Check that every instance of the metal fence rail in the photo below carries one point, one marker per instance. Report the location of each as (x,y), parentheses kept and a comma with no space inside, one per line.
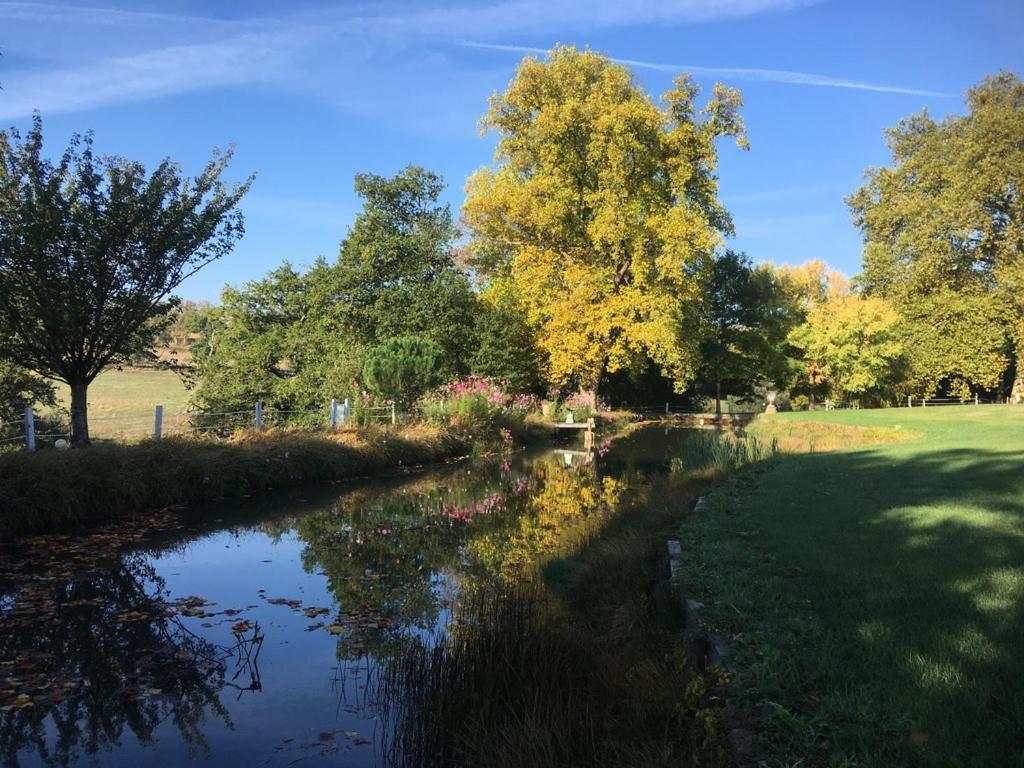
(223,423)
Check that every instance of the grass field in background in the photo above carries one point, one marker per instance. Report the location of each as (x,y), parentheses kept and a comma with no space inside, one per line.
(121,403)
(874,596)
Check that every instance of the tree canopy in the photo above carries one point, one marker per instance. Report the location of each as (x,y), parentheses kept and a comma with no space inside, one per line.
(91,249)
(599,209)
(296,339)
(743,324)
(852,342)
(944,226)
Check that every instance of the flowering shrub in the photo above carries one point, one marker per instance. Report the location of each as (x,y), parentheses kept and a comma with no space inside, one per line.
(478,407)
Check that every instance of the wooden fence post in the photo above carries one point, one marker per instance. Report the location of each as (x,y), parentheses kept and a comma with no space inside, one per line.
(259,415)
(30,429)
(158,422)
(334,414)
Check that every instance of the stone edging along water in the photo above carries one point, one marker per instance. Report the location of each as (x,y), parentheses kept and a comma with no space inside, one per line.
(707,650)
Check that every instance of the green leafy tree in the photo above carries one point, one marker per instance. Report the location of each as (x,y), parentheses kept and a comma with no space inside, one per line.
(599,208)
(741,320)
(955,342)
(91,250)
(507,347)
(402,369)
(295,340)
(947,220)
(396,274)
(273,342)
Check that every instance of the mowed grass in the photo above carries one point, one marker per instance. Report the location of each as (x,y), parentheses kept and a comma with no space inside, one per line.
(122,402)
(874,596)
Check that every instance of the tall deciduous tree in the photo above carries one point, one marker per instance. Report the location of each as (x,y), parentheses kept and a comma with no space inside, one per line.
(91,250)
(947,219)
(851,341)
(396,274)
(742,318)
(599,209)
(296,339)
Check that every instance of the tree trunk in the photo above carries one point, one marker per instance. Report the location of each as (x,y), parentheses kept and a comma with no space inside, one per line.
(1017,391)
(718,397)
(79,415)
(810,400)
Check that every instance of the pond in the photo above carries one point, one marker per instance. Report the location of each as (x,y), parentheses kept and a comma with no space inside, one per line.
(254,632)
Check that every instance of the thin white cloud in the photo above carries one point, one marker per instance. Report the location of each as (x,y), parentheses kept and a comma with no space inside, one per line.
(511,16)
(737,73)
(93,16)
(74,58)
(162,72)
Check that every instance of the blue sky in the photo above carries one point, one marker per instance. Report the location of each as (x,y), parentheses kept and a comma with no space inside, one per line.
(311,93)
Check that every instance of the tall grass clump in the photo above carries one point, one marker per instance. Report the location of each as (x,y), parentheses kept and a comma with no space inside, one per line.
(722,451)
(519,682)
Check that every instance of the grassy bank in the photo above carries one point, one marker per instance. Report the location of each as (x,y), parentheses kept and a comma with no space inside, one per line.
(55,489)
(875,595)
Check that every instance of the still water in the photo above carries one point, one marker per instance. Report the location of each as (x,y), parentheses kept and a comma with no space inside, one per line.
(253,633)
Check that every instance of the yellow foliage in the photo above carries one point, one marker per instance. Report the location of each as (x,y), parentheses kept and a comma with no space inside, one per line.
(599,210)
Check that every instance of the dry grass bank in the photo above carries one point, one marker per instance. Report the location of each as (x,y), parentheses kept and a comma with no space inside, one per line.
(50,490)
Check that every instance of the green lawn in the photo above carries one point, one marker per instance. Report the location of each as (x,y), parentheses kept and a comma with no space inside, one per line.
(121,403)
(875,596)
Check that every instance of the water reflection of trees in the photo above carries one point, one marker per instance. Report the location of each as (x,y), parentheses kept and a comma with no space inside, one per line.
(393,552)
(86,661)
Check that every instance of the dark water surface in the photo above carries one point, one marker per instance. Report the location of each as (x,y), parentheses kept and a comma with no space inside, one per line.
(253,633)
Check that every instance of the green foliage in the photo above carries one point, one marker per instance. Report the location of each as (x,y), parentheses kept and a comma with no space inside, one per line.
(953,342)
(721,452)
(506,345)
(19,388)
(945,223)
(743,325)
(295,340)
(479,408)
(402,369)
(91,250)
(395,274)
(270,341)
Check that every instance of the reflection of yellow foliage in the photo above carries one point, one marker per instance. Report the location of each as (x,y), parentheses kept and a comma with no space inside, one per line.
(561,513)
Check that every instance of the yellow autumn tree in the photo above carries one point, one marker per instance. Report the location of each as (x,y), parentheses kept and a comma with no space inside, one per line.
(853,342)
(600,209)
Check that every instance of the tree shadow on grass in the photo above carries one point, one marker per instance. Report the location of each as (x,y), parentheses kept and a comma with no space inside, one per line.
(880,601)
